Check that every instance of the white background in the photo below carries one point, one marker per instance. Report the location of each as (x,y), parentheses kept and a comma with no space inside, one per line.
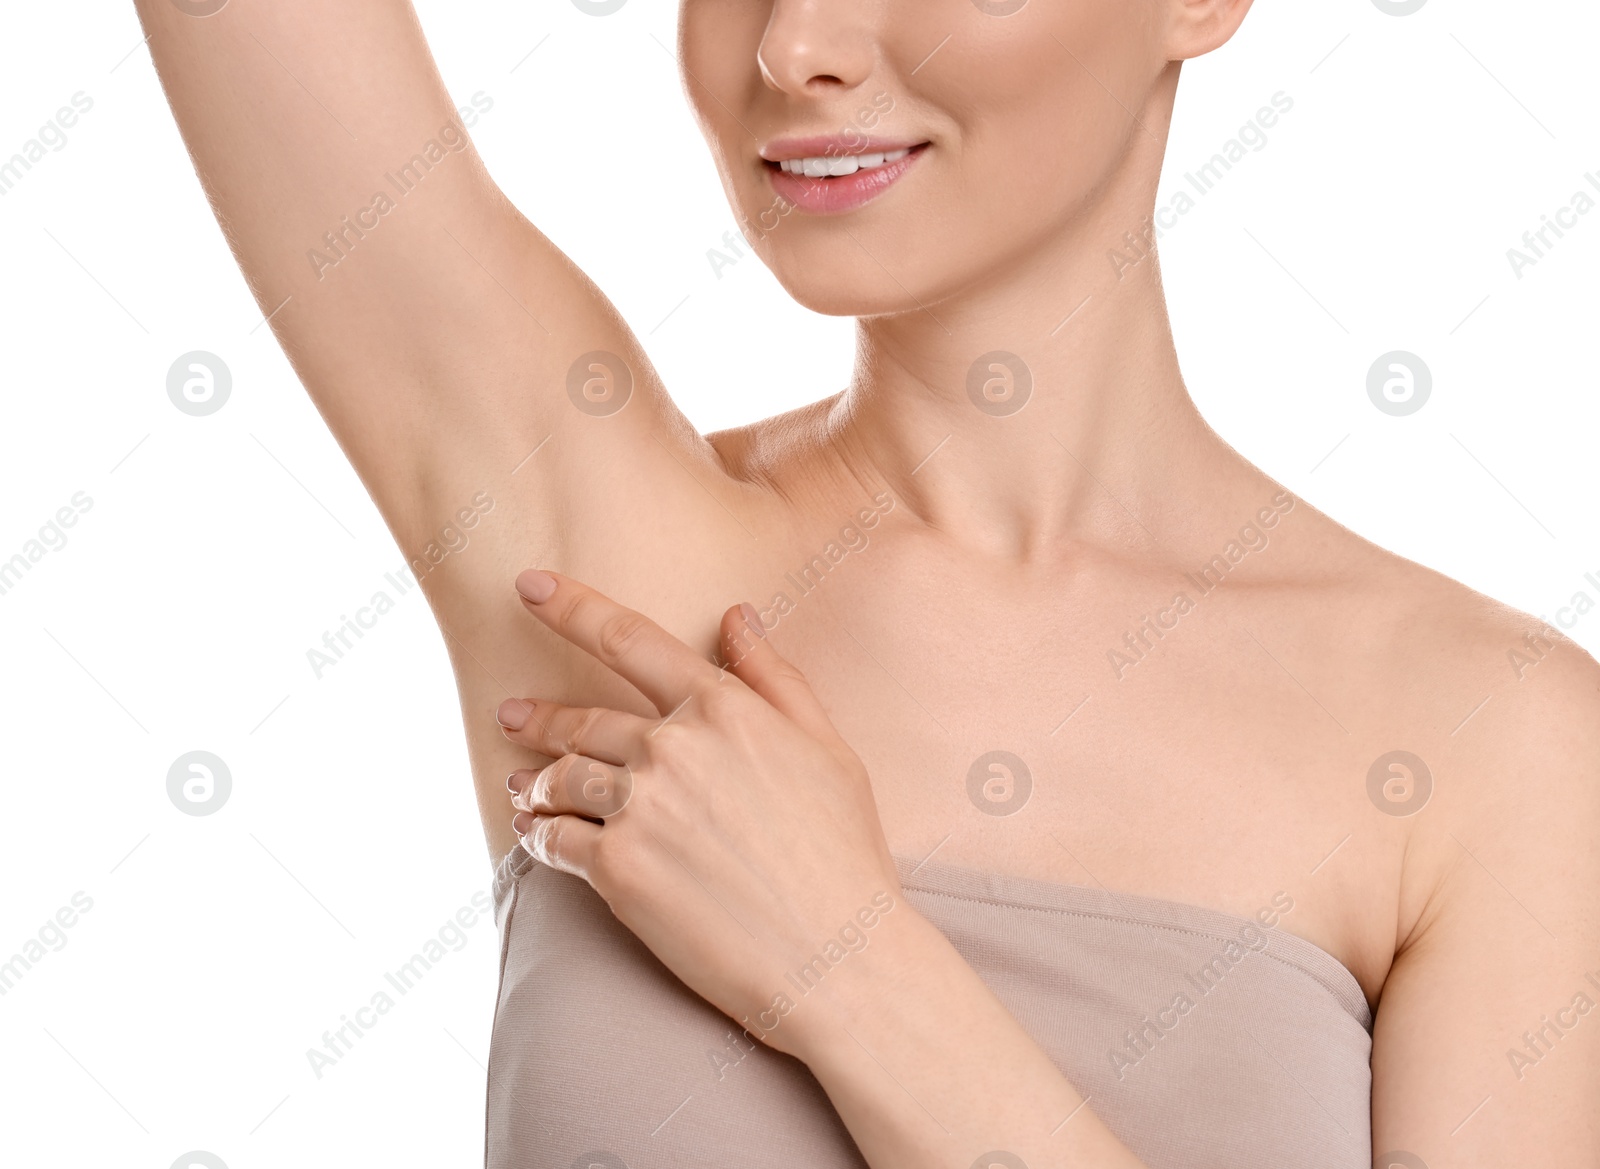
(218,549)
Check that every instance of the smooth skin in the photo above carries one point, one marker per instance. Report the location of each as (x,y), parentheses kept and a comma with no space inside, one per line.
(1006,558)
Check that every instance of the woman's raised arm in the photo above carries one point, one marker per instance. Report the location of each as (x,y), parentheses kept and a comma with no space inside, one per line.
(434,327)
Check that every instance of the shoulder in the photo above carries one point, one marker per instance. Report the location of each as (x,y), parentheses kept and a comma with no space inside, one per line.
(1530,751)
(1531,743)
(1514,686)
(1420,643)
(1491,886)
(1503,708)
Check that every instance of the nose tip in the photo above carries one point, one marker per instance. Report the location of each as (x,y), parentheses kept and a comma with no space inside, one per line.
(811,46)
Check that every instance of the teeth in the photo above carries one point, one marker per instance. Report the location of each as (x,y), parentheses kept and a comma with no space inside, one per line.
(834,166)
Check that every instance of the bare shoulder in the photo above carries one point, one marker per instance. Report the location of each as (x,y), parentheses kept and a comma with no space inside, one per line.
(1531,693)
(1485,867)
(1501,707)
(1419,641)
(1528,746)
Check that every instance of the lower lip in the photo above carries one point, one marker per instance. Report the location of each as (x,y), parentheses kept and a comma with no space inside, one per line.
(835,196)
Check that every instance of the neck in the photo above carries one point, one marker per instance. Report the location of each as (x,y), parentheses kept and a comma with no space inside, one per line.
(1108,427)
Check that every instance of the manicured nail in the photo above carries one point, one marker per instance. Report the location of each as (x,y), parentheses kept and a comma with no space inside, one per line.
(517,780)
(521,822)
(752,618)
(513,714)
(536,587)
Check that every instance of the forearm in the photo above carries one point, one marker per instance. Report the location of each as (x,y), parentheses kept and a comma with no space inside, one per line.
(926,1067)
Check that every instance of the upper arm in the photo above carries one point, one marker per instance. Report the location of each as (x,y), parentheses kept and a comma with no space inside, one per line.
(433,326)
(1487,1040)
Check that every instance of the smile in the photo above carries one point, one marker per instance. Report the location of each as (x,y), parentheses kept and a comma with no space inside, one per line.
(837,166)
(816,176)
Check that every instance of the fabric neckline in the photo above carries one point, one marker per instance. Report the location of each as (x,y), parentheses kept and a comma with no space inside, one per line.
(1029,894)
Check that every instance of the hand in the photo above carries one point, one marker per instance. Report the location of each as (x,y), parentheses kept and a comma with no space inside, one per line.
(736,835)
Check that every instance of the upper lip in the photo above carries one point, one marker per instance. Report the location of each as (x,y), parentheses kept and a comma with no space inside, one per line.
(833,146)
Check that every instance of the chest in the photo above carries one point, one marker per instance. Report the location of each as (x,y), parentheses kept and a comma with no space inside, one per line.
(1075,725)
(1096,727)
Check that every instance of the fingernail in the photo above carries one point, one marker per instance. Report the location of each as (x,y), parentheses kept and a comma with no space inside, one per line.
(752,618)
(517,780)
(536,587)
(521,822)
(513,714)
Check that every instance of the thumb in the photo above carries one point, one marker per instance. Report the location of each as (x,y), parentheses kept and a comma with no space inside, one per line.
(753,660)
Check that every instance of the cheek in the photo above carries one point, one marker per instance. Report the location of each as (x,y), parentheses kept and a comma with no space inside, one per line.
(718,42)
(1041,107)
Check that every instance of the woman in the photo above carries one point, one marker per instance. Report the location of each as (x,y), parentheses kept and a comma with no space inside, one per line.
(1055,789)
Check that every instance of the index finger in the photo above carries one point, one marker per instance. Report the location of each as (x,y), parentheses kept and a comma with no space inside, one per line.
(660,666)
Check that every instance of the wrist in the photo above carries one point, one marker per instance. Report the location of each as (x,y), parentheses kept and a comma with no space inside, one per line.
(866,978)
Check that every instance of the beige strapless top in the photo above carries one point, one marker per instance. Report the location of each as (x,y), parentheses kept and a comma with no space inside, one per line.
(1202,1038)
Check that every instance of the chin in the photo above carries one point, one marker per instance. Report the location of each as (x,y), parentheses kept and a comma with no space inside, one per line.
(863,269)
(841,290)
